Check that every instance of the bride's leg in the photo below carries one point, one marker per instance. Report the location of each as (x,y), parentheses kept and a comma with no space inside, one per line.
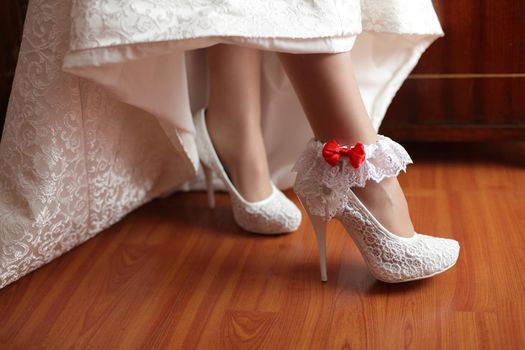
(234,118)
(328,91)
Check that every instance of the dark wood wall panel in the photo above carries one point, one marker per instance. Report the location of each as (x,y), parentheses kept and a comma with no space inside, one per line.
(484,36)
(469,85)
(460,101)
(12,14)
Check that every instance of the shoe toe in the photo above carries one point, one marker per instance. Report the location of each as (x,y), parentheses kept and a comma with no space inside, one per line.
(454,251)
(292,216)
(279,215)
(443,254)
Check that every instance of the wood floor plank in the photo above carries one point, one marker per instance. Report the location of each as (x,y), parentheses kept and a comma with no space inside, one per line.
(176,275)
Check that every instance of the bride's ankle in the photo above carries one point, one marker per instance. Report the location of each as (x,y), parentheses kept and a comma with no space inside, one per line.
(241,151)
(237,147)
(231,133)
(386,201)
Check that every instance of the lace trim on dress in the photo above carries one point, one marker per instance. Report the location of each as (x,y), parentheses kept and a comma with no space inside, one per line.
(325,189)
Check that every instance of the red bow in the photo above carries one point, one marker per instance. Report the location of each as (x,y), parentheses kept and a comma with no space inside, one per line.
(332,152)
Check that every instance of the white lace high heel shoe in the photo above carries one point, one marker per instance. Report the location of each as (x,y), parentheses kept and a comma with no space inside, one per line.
(272,215)
(326,174)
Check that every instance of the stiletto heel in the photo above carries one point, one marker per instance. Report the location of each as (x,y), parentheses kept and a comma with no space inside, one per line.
(319,225)
(326,173)
(208,175)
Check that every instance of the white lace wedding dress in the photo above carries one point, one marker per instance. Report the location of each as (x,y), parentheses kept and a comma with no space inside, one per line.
(99,120)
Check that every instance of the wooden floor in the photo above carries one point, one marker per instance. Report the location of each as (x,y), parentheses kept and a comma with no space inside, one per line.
(177,275)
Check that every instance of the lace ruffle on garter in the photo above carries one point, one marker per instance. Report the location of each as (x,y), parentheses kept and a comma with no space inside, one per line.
(326,189)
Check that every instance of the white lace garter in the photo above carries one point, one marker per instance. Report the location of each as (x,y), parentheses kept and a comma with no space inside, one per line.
(325,189)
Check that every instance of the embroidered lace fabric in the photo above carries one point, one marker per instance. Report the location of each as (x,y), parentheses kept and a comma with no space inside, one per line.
(276,215)
(73,160)
(393,259)
(327,188)
(99,23)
